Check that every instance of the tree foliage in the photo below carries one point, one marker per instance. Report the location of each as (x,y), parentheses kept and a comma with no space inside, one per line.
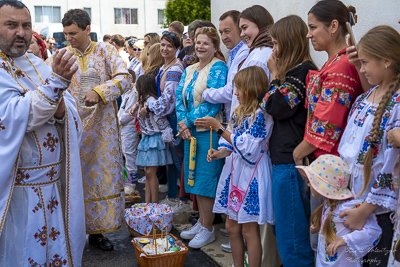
(187,11)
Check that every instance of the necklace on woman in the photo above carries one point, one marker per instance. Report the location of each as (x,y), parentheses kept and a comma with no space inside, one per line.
(166,65)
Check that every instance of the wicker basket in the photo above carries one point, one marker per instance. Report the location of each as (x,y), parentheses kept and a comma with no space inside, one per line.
(173,259)
(131,199)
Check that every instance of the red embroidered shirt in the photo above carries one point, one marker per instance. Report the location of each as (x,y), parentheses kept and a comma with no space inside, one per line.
(330,94)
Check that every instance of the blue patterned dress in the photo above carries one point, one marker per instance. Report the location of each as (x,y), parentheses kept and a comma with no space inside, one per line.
(249,140)
(206,173)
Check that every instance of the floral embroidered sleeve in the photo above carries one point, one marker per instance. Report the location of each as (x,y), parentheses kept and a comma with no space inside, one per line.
(282,100)
(216,79)
(383,190)
(180,108)
(251,140)
(165,104)
(329,100)
(118,81)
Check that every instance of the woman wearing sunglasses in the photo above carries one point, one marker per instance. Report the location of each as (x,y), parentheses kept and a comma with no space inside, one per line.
(151,38)
(167,81)
(201,177)
(134,49)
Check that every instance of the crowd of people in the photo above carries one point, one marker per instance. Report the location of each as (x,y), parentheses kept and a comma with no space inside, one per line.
(304,157)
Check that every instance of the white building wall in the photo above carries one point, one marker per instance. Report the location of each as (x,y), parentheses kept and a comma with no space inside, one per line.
(102,12)
(370,13)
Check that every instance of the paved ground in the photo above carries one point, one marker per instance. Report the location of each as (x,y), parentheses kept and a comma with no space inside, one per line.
(124,252)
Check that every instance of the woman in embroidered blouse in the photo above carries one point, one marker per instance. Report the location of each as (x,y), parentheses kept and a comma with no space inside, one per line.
(284,101)
(364,144)
(167,81)
(254,24)
(209,72)
(332,90)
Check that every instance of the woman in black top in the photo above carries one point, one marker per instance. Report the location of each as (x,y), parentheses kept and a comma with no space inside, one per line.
(289,64)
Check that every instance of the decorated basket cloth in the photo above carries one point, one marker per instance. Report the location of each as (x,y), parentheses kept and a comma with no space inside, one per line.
(141,217)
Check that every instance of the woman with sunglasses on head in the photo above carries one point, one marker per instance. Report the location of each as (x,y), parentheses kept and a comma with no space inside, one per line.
(151,38)
(135,47)
(201,177)
(167,81)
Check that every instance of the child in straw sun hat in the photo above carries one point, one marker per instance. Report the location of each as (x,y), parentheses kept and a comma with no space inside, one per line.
(328,178)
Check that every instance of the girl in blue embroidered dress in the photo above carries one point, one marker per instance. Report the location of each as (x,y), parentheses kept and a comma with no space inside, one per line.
(248,168)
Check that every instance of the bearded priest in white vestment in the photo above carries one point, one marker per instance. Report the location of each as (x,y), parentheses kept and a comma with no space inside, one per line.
(41,193)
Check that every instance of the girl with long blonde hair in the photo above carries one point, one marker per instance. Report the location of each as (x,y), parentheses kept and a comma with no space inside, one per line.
(244,188)
(154,60)
(364,144)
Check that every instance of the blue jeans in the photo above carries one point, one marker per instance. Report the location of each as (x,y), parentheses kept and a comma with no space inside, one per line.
(292,212)
(174,170)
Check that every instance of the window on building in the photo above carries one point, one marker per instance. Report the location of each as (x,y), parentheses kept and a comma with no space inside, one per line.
(125,16)
(161,18)
(88,10)
(48,14)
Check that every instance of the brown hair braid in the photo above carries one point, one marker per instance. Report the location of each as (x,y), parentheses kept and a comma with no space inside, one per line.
(381,42)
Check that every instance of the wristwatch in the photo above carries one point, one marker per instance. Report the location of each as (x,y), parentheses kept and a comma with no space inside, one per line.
(148,109)
(221,130)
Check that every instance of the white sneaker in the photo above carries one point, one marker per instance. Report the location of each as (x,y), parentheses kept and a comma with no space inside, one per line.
(163,188)
(181,206)
(204,237)
(169,201)
(191,233)
(142,180)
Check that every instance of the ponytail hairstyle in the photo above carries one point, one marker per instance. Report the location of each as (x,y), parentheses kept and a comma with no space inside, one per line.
(327,230)
(381,42)
(146,87)
(326,11)
(252,81)
(290,33)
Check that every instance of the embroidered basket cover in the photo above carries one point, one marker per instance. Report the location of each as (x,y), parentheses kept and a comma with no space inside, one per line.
(141,217)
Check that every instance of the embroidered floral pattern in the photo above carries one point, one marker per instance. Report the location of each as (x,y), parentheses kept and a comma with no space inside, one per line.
(19,74)
(21,177)
(50,142)
(345,99)
(33,263)
(290,95)
(39,203)
(52,173)
(258,127)
(41,236)
(2,127)
(5,67)
(53,203)
(368,138)
(252,203)
(54,234)
(223,198)
(58,261)
(384,180)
